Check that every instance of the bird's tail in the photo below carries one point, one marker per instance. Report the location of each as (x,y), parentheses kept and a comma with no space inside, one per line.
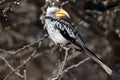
(96,59)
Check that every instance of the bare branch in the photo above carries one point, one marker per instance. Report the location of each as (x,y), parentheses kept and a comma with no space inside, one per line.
(25,77)
(7,63)
(62,65)
(24,47)
(65,59)
(76,65)
(27,60)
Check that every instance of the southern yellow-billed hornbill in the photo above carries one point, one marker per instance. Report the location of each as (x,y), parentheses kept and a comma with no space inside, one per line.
(63,33)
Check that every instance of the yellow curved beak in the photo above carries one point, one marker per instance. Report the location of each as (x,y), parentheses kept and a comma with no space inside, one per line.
(61,13)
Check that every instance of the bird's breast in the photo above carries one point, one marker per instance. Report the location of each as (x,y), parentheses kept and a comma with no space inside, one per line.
(55,35)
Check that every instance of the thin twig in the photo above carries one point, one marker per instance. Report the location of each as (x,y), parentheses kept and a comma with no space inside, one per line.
(7,63)
(69,68)
(27,60)
(62,70)
(42,17)
(24,47)
(65,59)
(59,76)
(76,65)
(25,76)
(62,65)
(65,3)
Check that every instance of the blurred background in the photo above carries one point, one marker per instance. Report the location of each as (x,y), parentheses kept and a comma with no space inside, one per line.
(24,57)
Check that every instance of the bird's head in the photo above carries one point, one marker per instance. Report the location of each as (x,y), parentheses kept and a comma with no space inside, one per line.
(56,12)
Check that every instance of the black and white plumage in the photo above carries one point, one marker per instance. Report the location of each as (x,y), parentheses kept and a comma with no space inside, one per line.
(62,32)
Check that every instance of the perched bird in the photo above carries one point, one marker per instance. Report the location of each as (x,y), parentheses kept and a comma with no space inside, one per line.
(64,34)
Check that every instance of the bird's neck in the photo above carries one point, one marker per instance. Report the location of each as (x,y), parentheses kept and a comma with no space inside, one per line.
(48,17)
